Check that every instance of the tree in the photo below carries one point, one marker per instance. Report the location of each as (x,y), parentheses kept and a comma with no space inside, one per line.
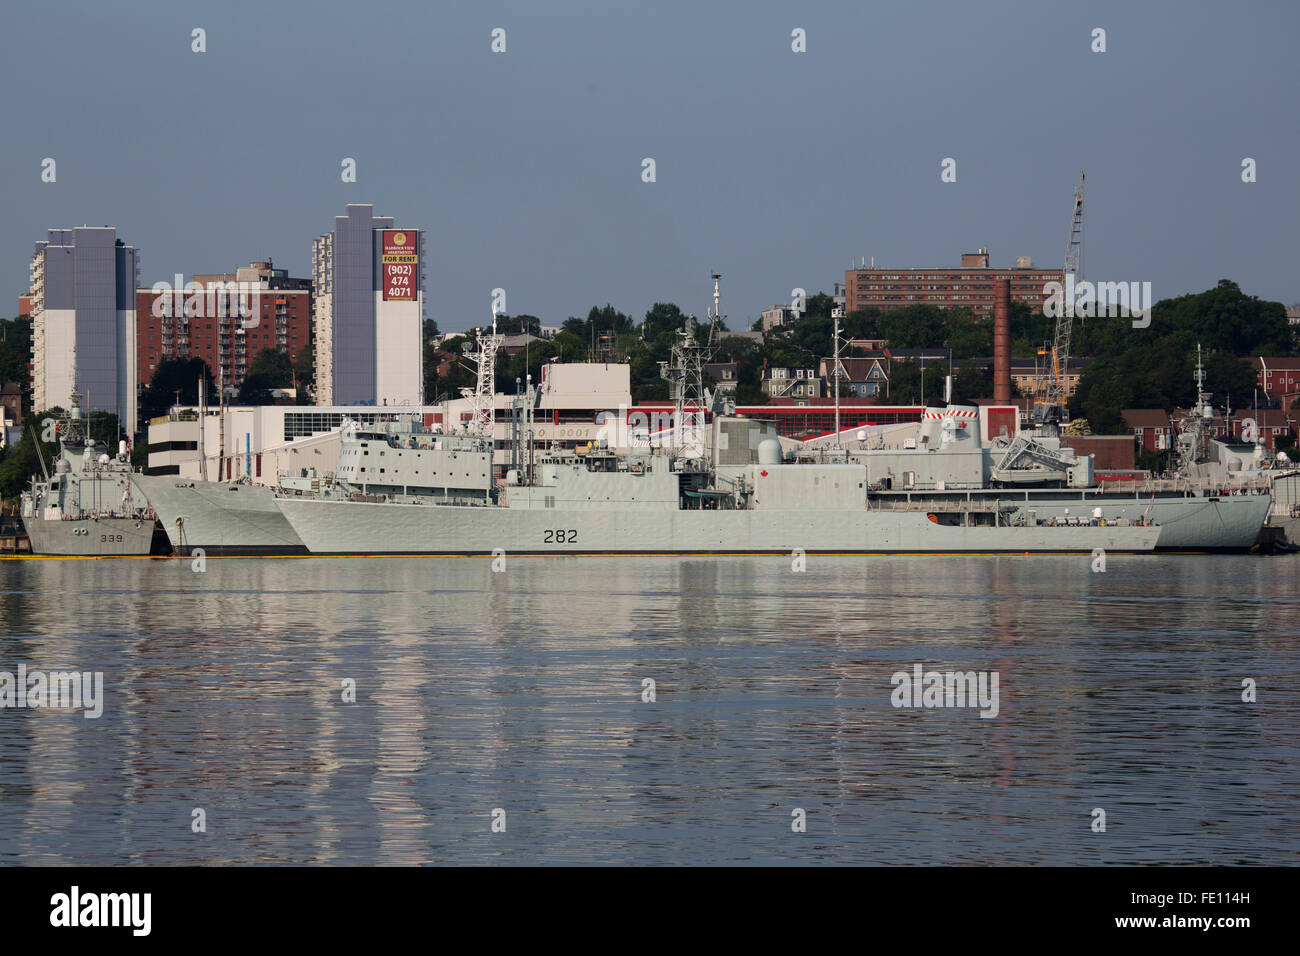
(971,382)
(519,325)
(599,319)
(572,348)
(304,372)
(15,353)
(273,366)
(1152,367)
(1231,381)
(174,376)
(430,329)
(20,462)
(660,317)
(529,361)
(904,383)
(256,389)
(103,427)
(819,306)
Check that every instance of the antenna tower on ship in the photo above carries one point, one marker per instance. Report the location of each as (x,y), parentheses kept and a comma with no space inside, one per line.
(685,376)
(482,397)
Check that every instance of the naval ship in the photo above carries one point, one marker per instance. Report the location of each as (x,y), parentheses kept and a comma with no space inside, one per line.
(949,461)
(402,488)
(234,518)
(87,508)
(722,487)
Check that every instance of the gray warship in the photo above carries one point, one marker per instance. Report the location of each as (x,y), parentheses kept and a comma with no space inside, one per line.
(222,518)
(87,507)
(950,463)
(724,487)
(402,489)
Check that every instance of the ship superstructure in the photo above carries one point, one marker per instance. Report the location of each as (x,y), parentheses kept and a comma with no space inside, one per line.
(952,461)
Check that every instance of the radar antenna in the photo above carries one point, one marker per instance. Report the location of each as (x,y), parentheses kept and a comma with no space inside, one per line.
(685,376)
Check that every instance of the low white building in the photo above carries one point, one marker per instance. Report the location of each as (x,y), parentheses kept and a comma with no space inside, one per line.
(264,443)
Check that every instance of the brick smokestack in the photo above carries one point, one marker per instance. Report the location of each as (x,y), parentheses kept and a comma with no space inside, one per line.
(1002,341)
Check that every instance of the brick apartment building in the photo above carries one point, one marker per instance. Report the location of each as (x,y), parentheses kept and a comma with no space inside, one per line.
(1156,430)
(1279,378)
(173,325)
(967,287)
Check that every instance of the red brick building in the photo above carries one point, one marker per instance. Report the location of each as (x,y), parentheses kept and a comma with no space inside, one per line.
(1157,430)
(1151,426)
(1273,423)
(1278,377)
(171,325)
(1109,452)
(967,287)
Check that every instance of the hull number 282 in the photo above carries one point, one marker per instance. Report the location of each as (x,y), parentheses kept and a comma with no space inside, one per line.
(561,537)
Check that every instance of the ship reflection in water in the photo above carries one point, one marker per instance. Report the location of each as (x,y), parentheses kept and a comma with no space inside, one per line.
(522,691)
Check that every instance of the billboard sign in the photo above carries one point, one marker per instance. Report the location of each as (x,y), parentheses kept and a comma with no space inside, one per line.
(401,263)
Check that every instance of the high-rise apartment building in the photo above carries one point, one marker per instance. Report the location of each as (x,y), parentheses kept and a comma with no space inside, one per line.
(368,308)
(224,319)
(83,308)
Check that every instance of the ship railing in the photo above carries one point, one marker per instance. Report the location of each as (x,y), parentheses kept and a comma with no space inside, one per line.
(416,499)
(1202,486)
(94,515)
(882,504)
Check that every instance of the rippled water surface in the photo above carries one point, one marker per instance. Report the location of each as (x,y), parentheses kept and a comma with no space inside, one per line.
(523,691)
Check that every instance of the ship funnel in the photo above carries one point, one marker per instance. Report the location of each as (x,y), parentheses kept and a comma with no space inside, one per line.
(956,423)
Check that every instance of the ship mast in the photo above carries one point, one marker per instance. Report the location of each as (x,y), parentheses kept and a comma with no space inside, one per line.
(685,376)
(837,379)
(1192,440)
(482,397)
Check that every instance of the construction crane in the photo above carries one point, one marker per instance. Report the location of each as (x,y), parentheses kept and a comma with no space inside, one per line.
(1050,381)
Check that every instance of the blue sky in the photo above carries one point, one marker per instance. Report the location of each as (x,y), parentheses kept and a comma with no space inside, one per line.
(775,168)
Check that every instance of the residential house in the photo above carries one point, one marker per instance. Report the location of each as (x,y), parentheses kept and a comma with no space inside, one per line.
(788,383)
(862,377)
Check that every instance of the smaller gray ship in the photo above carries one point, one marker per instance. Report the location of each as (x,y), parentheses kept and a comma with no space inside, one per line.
(87,507)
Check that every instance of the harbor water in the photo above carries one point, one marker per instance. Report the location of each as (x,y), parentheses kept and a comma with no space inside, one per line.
(654,711)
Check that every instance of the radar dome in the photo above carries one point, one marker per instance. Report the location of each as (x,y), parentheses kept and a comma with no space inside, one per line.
(769,452)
